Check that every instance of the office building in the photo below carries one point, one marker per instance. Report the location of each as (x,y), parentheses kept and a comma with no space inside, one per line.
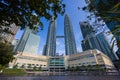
(111,18)
(70,45)
(15,44)
(8,36)
(50,46)
(105,47)
(90,42)
(29,42)
(86,28)
(95,41)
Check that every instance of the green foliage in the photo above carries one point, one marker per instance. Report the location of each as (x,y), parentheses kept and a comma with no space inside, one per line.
(15,66)
(40,68)
(29,66)
(29,12)
(77,68)
(116,33)
(6,54)
(35,68)
(1,67)
(23,66)
(83,67)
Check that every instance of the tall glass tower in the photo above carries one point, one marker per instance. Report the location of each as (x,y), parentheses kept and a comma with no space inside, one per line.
(50,47)
(105,47)
(86,28)
(70,45)
(29,42)
(93,41)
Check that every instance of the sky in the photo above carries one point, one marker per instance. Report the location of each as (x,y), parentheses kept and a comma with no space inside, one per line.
(75,16)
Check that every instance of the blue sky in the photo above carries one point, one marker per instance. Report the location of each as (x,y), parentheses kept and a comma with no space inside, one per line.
(75,15)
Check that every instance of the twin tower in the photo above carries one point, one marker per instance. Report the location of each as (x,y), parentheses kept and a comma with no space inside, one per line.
(70,45)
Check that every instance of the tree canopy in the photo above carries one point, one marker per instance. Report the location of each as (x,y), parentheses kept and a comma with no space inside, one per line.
(6,53)
(29,12)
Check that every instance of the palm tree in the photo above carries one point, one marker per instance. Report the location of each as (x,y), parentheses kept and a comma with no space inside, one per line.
(116,33)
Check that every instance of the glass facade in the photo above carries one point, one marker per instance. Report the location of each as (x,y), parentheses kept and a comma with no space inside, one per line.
(105,47)
(32,44)
(29,42)
(56,64)
(50,47)
(92,41)
(70,45)
(86,28)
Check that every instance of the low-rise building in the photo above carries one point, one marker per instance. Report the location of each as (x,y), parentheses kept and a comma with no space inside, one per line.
(89,57)
(32,60)
(61,63)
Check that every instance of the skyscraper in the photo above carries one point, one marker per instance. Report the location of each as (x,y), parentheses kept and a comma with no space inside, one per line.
(105,47)
(86,28)
(50,47)
(70,45)
(29,42)
(93,41)
(90,42)
(111,6)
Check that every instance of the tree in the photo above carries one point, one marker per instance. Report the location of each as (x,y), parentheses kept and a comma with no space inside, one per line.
(39,68)
(34,68)
(23,66)
(15,66)
(77,68)
(116,33)
(0,67)
(89,68)
(29,66)
(83,67)
(28,12)
(6,53)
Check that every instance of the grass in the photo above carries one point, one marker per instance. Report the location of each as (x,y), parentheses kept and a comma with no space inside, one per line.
(14,72)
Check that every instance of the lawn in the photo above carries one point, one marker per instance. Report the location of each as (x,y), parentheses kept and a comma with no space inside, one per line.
(14,72)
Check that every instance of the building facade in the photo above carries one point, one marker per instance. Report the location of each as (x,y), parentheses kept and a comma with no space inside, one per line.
(8,36)
(22,59)
(89,57)
(105,46)
(26,43)
(70,45)
(61,63)
(14,44)
(95,41)
(86,28)
(111,6)
(50,47)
